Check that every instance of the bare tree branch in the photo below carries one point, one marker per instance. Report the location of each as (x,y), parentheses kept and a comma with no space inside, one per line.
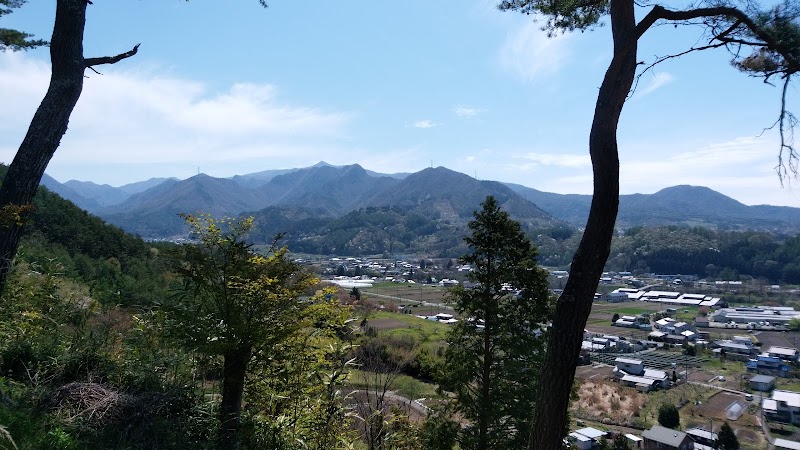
(89,62)
(661,59)
(788,158)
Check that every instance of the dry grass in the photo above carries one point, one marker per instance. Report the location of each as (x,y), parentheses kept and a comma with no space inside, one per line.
(606,400)
(88,402)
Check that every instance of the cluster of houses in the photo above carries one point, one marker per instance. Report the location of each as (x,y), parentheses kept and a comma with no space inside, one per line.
(672,331)
(661,438)
(633,373)
(775,360)
(601,343)
(657,437)
(667,329)
(762,317)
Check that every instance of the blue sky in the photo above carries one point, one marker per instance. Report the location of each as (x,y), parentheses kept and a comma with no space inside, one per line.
(232,88)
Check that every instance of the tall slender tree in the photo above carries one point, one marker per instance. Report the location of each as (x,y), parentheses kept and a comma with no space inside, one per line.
(493,355)
(49,122)
(762,42)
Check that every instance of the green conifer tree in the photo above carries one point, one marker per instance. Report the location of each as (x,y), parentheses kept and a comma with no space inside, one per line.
(492,361)
(726,439)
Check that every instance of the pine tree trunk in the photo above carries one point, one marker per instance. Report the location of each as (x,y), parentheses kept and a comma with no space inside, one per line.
(48,125)
(575,303)
(235,368)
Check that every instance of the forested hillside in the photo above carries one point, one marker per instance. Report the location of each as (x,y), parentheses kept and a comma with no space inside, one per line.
(118,268)
(715,254)
(101,343)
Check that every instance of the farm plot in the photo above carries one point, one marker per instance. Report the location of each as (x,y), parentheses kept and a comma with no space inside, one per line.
(778,338)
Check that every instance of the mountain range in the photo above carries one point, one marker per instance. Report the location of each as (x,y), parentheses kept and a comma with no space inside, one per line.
(437,195)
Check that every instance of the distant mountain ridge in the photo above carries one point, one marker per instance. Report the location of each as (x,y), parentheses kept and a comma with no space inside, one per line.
(151,208)
(677,205)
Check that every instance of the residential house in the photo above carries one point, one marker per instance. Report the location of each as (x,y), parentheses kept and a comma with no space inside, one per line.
(735,346)
(633,373)
(663,323)
(586,438)
(662,438)
(763,383)
(782,406)
(784,353)
(766,364)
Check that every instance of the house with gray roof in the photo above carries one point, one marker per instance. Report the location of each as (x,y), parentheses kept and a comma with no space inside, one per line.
(763,383)
(662,438)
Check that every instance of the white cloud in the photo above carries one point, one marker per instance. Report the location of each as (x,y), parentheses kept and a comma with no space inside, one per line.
(129,117)
(742,168)
(529,53)
(558,159)
(467,111)
(424,124)
(654,82)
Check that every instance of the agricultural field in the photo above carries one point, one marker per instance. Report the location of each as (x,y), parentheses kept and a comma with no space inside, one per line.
(420,299)
(425,332)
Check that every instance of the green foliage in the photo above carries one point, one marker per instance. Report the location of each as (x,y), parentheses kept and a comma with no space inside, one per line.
(57,343)
(620,442)
(232,298)
(562,15)
(294,389)
(492,370)
(15,40)
(360,232)
(119,269)
(439,431)
(282,351)
(779,22)
(711,253)
(726,439)
(668,416)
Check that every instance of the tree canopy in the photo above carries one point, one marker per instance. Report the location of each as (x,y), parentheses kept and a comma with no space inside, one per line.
(15,40)
(235,303)
(668,416)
